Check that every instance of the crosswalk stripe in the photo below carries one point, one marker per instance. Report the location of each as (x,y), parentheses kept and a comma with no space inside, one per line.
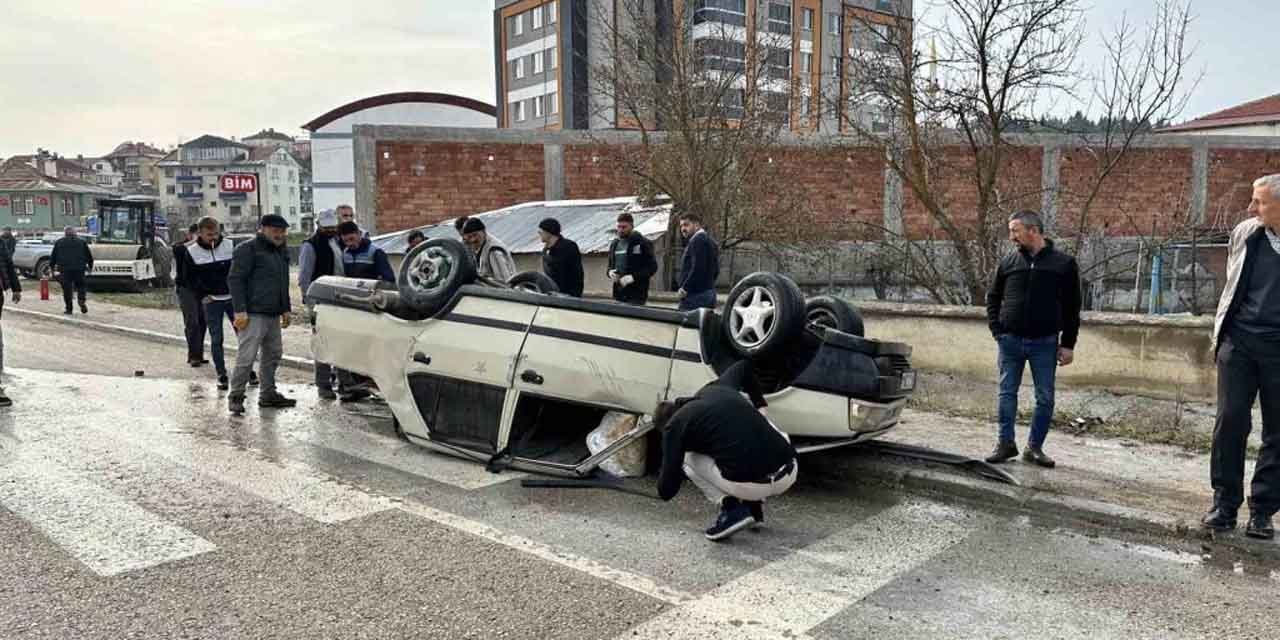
(105,532)
(289,484)
(789,597)
(406,457)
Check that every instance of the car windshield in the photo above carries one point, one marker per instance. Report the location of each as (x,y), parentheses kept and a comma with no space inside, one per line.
(119,224)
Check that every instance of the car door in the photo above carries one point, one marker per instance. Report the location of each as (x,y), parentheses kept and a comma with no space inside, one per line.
(597,358)
(460,370)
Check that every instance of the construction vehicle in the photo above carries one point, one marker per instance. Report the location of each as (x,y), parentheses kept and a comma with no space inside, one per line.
(129,250)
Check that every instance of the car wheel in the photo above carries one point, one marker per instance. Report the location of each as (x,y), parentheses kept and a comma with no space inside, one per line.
(533,282)
(834,313)
(43,270)
(433,272)
(162,260)
(764,312)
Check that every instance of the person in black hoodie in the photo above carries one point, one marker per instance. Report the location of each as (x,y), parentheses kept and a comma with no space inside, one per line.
(1033,310)
(193,322)
(561,259)
(631,263)
(206,263)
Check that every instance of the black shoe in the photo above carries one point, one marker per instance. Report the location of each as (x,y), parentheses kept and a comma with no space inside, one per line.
(236,405)
(734,517)
(5,401)
(84,308)
(1005,450)
(253,378)
(326,394)
(1036,456)
(1219,519)
(355,395)
(222,383)
(67,312)
(757,512)
(1260,526)
(276,401)
(195,363)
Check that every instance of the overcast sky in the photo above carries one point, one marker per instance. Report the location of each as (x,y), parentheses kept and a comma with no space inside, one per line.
(80,76)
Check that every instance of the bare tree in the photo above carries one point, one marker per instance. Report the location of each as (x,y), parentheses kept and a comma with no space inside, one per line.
(949,115)
(709,100)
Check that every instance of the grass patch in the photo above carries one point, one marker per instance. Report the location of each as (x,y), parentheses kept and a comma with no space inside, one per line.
(149,299)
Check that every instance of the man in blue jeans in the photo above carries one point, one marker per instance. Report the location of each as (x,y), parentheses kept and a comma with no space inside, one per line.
(1033,309)
(208,259)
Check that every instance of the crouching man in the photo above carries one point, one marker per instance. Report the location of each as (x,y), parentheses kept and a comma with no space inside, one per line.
(725,445)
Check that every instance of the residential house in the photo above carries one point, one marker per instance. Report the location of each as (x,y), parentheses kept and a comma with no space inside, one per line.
(43,193)
(137,161)
(190,183)
(1259,117)
(105,174)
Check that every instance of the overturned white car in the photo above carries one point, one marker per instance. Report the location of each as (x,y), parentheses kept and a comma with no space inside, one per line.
(514,374)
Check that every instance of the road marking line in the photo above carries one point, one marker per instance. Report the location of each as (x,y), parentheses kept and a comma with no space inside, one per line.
(406,457)
(792,596)
(105,532)
(633,581)
(289,484)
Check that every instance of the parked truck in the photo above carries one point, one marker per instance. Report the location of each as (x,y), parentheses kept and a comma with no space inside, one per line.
(128,251)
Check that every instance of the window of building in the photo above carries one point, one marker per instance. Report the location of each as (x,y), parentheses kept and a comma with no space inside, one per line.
(537,18)
(537,62)
(835,66)
(806,19)
(213,204)
(276,210)
(552,13)
(188,188)
(168,172)
(833,24)
(732,12)
(780,18)
(519,67)
(518,28)
(293,212)
(170,190)
(275,188)
(275,173)
(806,62)
(805,106)
(235,211)
(552,58)
(517,108)
(537,106)
(184,171)
(290,192)
(213,184)
(553,100)
(19,208)
(292,177)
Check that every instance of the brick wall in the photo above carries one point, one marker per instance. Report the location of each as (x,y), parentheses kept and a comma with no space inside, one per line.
(1018,187)
(426,182)
(1231,176)
(596,171)
(1149,189)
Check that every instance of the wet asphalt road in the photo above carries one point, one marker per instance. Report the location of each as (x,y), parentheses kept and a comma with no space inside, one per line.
(136,508)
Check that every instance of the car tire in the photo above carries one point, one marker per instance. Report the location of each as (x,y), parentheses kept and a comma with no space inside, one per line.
(834,313)
(534,282)
(763,314)
(432,273)
(162,260)
(43,270)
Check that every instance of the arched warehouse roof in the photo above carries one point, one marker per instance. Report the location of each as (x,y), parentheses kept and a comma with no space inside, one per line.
(400,98)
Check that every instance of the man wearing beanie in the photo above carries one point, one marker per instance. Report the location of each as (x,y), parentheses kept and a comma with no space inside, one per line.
(493,260)
(319,256)
(561,259)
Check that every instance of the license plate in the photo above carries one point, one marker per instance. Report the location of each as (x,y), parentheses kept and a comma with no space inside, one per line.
(908,380)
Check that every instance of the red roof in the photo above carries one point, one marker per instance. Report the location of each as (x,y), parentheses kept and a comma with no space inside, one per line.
(398,98)
(1260,111)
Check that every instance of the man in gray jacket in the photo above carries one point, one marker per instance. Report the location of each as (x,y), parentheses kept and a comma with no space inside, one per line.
(1246,341)
(259,284)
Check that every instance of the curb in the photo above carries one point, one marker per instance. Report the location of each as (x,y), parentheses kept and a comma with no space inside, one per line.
(293,362)
(930,478)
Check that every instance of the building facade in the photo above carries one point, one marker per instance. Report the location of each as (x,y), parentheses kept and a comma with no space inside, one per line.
(105,174)
(547,51)
(1259,117)
(36,197)
(190,184)
(332,156)
(137,161)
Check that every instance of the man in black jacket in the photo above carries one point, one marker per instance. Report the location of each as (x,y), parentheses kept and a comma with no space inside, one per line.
(1033,310)
(631,263)
(71,259)
(561,259)
(699,267)
(259,286)
(727,447)
(8,242)
(193,321)
(8,282)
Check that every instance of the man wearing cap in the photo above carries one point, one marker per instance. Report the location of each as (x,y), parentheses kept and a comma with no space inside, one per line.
(259,284)
(493,260)
(319,256)
(561,259)
(70,260)
(416,237)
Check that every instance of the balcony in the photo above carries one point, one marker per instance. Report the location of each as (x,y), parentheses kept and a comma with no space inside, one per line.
(183,179)
(233,196)
(194,195)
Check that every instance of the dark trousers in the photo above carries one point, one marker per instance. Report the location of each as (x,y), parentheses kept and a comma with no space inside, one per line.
(1247,368)
(72,280)
(701,300)
(193,323)
(214,312)
(1015,354)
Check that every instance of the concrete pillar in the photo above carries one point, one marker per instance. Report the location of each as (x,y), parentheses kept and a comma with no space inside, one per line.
(1050,168)
(365,172)
(553,171)
(1199,182)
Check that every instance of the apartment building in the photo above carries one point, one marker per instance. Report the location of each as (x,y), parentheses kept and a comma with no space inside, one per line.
(190,185)
(546,51)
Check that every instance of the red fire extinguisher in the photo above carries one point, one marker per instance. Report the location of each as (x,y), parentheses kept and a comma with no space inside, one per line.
(44,287)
